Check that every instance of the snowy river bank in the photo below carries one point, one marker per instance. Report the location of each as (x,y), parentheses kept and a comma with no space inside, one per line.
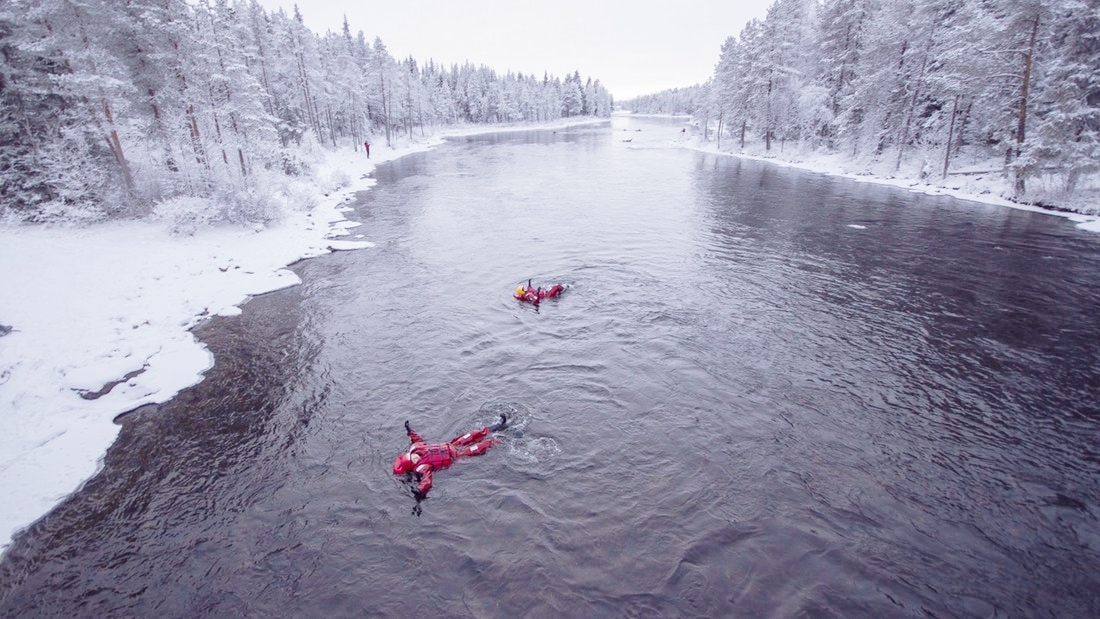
(100,320)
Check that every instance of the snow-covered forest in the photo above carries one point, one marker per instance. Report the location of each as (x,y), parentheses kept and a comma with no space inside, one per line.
(931,89)
(117,109)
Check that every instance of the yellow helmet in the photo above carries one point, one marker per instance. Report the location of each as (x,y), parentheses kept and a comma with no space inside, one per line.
(520,291)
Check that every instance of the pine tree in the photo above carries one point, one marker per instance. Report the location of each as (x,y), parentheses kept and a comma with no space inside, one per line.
(1065,127)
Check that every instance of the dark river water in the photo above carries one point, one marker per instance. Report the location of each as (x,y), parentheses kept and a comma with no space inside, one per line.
(765,393)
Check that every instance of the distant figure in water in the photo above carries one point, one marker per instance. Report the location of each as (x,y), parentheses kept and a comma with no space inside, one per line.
(535,295)
(422,458)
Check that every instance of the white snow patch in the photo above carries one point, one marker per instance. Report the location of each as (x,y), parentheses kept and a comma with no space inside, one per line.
(1090,224)
(105,312)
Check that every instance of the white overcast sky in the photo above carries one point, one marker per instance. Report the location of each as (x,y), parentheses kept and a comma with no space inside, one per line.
(631,47)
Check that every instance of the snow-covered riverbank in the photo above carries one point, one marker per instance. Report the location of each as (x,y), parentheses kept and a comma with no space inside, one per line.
(986,188)
(100,320)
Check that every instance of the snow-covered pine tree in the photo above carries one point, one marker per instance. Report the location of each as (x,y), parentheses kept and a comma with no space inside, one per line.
(108,108)
(66,99)
(572,97)
(843,26)
(1064,131)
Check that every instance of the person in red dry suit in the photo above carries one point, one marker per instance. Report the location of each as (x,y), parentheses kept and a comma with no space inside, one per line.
(534,295)
(423,458)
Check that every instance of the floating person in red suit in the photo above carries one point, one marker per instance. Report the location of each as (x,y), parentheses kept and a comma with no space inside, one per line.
(423,458)
(535,295)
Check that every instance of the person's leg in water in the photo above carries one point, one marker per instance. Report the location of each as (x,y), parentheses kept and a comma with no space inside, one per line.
(474,443)
(467,450)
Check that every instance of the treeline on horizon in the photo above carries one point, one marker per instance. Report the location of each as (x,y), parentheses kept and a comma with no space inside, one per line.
(108,109)
(931,86)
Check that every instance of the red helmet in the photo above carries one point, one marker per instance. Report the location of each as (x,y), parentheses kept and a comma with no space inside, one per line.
(403,464)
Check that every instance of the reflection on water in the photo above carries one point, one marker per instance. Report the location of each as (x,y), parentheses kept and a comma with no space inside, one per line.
(765,393)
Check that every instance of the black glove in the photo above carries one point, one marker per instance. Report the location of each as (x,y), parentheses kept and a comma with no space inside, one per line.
(408,430)
(497,427)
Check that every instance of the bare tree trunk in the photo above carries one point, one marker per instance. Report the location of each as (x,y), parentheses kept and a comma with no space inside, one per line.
(269,104)
(317,119)
(909,112)
(962,126)
(237,134)
(950,136)
(331,126)
(307,98)
(1022,123)
(408,103)
(217,126)
(768,116)
(116,147)
(385,110)
(420,114)
(196,140)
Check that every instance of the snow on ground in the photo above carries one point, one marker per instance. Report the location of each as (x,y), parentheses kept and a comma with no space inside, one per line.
(1092,224)
(100,321)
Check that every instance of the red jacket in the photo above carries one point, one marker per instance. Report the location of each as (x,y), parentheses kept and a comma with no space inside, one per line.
(424,458)
(433,457)
(534,295)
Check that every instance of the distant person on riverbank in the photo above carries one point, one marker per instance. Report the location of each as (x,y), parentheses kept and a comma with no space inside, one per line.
(366,147)
(422,458)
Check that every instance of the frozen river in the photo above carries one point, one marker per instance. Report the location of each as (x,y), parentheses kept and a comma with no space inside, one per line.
(765,392)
